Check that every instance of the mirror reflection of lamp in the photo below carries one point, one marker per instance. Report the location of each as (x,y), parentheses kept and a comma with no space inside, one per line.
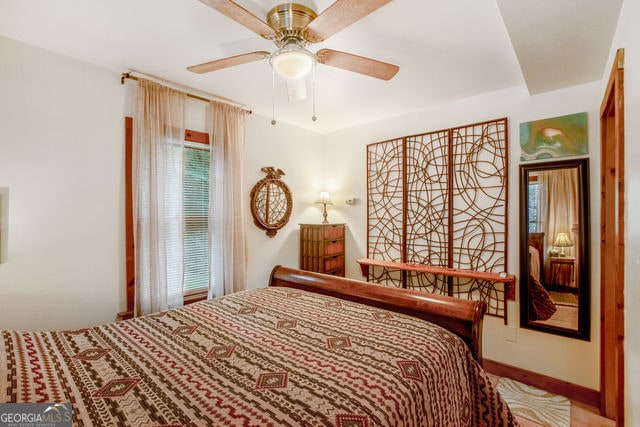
(324,199)
(562,241)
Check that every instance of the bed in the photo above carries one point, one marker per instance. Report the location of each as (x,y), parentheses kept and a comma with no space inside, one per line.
(308,350)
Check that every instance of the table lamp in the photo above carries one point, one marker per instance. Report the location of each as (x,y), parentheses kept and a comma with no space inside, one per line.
(562,241)
(324,199)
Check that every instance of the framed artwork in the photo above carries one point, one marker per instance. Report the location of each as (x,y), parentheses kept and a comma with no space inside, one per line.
(554,137)
(4,221)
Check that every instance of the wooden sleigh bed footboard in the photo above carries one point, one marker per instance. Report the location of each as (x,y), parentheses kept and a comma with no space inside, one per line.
(462,317)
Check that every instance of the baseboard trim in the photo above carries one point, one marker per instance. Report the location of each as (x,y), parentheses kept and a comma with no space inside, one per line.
(574,392)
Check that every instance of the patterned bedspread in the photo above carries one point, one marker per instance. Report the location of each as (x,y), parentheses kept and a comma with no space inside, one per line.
(272,356)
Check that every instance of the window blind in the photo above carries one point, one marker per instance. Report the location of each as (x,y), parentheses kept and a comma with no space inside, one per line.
(196,207)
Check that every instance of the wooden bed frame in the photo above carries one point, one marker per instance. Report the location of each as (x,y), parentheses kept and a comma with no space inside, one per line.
(462,317)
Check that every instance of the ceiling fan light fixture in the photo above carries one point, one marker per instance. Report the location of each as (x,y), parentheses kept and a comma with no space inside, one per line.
(292,61)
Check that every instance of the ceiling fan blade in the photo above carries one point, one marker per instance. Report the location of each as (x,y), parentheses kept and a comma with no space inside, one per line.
(228,62)
(357,64)
(242,16)
(339,15)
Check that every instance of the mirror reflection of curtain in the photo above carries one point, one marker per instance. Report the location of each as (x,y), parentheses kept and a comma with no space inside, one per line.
(558,206)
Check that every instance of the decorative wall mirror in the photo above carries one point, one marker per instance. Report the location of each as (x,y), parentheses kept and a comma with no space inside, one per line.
(554,247)
(271,202)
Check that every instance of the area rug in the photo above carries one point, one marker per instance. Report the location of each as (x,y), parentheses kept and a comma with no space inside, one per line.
(537,405)
(564,298)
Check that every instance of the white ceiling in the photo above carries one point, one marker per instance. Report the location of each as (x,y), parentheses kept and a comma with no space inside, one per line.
(446,49)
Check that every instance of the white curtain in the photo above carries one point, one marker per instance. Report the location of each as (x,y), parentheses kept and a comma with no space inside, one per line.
(228,201)
(157,185)
(559,200)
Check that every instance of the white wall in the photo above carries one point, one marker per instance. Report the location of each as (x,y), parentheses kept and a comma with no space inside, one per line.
(567,359)
(297,152)
(628,37)
(61,155)
(61,127)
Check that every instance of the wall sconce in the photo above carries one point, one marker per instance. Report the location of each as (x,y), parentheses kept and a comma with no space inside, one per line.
(562,241)
(324,199)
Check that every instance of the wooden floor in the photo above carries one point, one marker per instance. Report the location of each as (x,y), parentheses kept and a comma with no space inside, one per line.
(581,415)
(564,317)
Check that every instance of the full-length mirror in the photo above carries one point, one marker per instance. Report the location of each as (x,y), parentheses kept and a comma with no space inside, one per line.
(554,247)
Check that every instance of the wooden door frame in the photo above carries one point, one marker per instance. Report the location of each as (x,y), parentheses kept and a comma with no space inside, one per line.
(612,245)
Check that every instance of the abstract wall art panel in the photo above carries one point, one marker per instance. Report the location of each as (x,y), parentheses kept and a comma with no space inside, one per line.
(440,199)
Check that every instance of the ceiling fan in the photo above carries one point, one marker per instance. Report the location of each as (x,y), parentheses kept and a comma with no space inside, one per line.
(292,27)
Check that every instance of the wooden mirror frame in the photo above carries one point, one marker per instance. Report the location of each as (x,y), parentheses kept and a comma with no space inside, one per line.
(261,201)
(584,301)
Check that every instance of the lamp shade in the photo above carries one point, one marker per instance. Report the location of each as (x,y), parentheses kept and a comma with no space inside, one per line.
(562,241)
(292,61)
(324,198)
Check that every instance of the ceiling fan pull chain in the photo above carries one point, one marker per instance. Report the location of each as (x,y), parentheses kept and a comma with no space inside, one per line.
(313,93)
(273,97)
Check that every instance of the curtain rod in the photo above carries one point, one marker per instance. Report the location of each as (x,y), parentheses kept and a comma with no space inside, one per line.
(125,76)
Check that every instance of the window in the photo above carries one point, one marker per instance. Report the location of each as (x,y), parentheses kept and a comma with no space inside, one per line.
(533,207)
(195,197)
(196,208)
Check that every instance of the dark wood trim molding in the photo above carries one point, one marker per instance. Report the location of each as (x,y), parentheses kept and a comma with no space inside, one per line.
(612,250)
(572,391)
(130,265)
(194,296)
(195,136)
(124,315)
